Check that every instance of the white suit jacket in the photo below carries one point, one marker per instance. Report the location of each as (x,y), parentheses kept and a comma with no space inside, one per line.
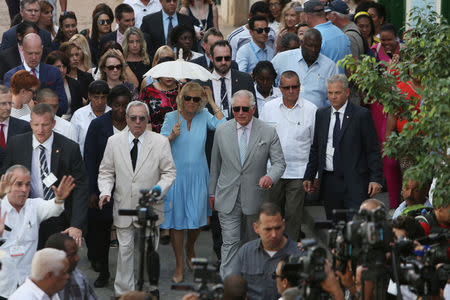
(154,166)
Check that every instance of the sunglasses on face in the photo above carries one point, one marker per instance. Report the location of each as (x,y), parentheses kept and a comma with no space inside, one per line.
(220,58)
(189,98)
(118,67)
(237,109)
(288,87)
(135,118)
(103,22)
(261,30)
(275,276)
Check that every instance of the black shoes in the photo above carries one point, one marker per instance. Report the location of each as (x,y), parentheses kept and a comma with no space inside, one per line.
(102,280)
(155,294)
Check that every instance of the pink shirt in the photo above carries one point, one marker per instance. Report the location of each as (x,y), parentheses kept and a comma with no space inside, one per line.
(248,129)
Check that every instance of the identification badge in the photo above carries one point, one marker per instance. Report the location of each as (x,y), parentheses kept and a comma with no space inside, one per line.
(50,180)
(225,113)
(15,251)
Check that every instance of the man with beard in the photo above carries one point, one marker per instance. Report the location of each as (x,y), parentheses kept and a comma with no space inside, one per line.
(312,68)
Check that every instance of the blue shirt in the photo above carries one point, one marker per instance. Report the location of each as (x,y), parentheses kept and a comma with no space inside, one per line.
(398,211)
(335,44)
(166,23)
(312,78)
(250,54)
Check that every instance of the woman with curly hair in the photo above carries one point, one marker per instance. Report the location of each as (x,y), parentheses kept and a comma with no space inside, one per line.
(186,205)
(135,52)
(183,37)
(289,20)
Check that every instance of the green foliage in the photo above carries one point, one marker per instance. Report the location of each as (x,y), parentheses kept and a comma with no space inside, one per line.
(425,138)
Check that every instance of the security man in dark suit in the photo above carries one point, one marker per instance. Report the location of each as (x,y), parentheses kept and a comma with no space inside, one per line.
(345,152)
(50,156)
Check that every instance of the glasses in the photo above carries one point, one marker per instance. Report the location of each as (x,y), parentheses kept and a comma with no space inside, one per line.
(189,98)
(118,67)
(275,276)
(135,118)
(237,109)
(220,58)
(261,30)
(288,87)
(104,22)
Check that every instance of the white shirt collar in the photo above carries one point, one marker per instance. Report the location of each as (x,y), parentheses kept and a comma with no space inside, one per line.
(216,75)
(29,69)
(299,103)
(340,110)
(248,126)
(47,144)
(131,137)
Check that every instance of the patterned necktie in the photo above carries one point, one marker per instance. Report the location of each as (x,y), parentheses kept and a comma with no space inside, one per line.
(169,30)
(134,153)
(33,72)
(48,191)
(336,157)
(223,94)
(2,137)
(243,145)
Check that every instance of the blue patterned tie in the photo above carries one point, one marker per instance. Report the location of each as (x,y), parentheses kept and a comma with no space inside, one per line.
(336,157)
(48,191)
(243,145)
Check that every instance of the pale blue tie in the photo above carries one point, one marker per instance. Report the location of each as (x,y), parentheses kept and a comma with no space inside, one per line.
(243,145)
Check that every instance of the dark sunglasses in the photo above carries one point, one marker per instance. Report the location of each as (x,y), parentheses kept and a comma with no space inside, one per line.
(275,276)
(118,67)
(220,58)
(288,87)
(103,22)
(260,30)
(189,98)
(236,109)
(134,118)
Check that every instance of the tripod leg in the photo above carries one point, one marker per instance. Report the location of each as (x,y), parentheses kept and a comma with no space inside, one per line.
(153,265)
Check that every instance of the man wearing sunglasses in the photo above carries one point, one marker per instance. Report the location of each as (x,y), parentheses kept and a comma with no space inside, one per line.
(255,51)
(134,159)
(239,176)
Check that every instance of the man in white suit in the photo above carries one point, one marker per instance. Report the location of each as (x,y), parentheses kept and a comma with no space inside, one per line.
(134,159)
(239,177)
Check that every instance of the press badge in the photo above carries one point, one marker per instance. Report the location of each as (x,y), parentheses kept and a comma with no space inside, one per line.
(49,180)
(15,251)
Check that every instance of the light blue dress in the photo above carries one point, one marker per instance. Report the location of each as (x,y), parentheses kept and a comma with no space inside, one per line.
(186,204)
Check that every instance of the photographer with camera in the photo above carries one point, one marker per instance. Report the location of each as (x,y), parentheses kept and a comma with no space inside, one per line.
(284,278)
(235,287)
(257,260)
(436,220)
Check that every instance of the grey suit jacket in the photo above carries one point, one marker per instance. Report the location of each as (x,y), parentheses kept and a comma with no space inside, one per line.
(228,178)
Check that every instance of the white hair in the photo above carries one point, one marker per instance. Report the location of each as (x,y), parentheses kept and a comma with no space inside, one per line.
(244,93)
(338,78)
(137,103)
(45,261)
(11,169)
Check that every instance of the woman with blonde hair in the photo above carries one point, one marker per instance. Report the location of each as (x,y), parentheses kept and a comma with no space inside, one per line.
(85,54)
(112,70)
(163,52)
(186,204)
(289,20)
(135,52)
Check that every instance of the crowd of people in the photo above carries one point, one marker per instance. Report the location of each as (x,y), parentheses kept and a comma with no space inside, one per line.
(83,131)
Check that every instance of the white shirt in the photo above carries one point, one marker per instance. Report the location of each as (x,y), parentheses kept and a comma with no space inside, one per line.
(24,235)
(81,119)
(330,148)
(216,84)
(295,128)
(141,10)
(131,137)
(36,180)
(30,291)
(62,127)
(261,101)
(36,70)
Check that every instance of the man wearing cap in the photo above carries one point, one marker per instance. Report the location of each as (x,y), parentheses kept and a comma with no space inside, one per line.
(335,44)
(337,12)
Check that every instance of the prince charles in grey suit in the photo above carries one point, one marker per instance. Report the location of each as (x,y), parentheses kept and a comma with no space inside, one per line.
(239,177)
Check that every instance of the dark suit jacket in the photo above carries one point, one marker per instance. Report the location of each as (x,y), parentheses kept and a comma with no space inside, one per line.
(50,77)
(152,25)
(99,131)
(16,126)
(84,78)
(358,147)
(75,94)
(202,62)
(9,58)
(9,38)
(239,81)
(65,160)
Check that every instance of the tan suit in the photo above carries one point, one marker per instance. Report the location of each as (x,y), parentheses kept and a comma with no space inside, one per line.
(154,166)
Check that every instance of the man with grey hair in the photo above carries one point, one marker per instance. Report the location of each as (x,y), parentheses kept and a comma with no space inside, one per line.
(134,159)
(20,221)
(345,152)
(29,11)
(48,276)
(239,176)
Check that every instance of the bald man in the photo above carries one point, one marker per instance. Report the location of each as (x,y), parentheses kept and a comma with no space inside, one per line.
(48,75)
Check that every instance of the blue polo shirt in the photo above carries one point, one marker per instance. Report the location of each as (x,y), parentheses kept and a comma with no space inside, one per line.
(335,44)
